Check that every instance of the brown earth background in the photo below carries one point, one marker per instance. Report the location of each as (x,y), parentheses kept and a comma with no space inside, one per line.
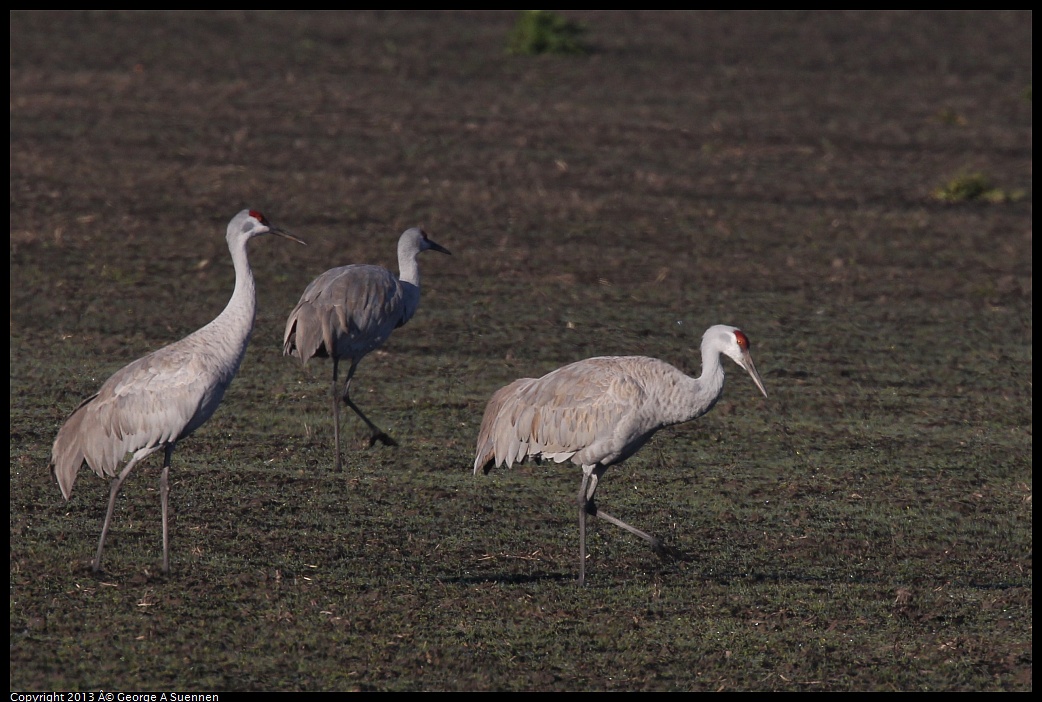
(868,527)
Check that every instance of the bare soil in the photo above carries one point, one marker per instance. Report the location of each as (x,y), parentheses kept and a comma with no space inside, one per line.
(868,527)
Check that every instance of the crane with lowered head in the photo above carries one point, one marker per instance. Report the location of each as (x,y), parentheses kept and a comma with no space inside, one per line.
(598,412)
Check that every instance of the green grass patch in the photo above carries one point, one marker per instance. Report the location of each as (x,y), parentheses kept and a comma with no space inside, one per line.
(970,187)
(546,32)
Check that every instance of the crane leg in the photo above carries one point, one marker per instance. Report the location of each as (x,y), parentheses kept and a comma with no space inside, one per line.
(117,483)
(587,505)
(660,549)
(336,415)
(597,512)
(164,493)
(376,434)
(582,528)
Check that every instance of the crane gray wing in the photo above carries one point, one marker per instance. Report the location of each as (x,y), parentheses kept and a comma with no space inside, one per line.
(576,412)
(486,448)
(157,399)
(345,311)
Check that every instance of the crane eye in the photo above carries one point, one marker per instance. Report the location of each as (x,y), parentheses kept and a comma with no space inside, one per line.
(742,339)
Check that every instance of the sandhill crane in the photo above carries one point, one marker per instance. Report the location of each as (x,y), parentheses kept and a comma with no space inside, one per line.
(349,311)
(600,411)
(163,397)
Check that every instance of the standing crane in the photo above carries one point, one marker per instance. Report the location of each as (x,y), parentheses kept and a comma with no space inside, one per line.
(161,398)
(600,411)
(349,311)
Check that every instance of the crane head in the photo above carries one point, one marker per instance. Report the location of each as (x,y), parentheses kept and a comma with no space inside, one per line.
(735,344)
(415,240)
(251,223)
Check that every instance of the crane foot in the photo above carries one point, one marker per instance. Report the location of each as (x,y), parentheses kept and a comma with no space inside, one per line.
(668,553)
(383,439)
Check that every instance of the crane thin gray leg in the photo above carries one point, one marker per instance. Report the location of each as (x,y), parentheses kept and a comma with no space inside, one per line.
(164,492)
(582,526)
(597,512)
(336,414)
(587,505)
(660,549)
(117,483)
(376,433)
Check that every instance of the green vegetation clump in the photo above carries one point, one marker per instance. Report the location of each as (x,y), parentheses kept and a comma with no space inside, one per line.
(949,116)
(546,32)
(974,186)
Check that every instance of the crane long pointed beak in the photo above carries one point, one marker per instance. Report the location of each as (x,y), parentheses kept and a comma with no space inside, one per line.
(438,247)
(747,363)
(286,235)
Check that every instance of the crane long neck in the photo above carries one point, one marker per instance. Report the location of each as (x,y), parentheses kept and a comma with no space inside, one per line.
(409,277)
(408,267)
(236,320)
(698,395)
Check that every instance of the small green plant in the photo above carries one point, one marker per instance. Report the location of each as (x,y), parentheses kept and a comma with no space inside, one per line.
(974,186)
(949,116)
(546,32)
